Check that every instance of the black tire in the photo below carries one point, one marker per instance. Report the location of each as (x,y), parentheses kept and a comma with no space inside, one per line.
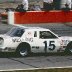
(69,48)
(23,50)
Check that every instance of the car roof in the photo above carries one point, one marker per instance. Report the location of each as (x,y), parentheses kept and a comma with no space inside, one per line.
(37,28)
(32,28)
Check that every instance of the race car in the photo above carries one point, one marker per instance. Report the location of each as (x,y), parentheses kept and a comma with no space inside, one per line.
(24,40)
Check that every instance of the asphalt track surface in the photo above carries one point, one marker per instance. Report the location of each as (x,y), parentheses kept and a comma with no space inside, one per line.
(58,28)
(8,62)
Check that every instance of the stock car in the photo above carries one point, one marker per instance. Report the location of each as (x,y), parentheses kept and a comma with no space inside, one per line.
(24,40)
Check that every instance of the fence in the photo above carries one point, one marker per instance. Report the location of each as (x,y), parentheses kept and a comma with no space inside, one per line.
(1,1)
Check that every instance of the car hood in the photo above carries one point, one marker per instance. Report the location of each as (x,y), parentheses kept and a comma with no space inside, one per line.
(4,36)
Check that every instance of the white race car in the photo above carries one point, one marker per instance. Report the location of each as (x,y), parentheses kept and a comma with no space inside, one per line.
(24,40)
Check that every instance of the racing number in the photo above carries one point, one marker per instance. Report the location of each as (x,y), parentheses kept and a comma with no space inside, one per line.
(51,43)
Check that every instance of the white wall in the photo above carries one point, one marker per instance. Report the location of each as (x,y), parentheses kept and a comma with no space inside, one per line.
(63,2)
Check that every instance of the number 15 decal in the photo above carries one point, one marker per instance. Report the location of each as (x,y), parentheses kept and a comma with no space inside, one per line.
(51,43)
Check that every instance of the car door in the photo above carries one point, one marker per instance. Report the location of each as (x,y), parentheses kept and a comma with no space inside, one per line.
(46,42)
(50,42)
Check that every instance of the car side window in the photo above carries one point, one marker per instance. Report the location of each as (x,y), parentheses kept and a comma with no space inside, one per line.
(46,35)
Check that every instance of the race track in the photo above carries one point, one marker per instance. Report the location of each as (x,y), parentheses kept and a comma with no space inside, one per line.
(37,61)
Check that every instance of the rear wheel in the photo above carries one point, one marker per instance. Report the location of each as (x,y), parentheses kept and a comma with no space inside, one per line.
(69,48)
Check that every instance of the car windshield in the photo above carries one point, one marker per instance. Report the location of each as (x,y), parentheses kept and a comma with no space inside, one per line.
(15,32)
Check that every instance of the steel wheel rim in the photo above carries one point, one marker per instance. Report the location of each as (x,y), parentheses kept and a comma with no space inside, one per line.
(23,52)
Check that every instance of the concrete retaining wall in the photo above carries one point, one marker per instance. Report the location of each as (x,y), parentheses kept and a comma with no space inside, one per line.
(39,17)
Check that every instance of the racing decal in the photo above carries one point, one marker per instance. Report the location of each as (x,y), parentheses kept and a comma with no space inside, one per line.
(16,40)
(65,42)
(51,43)
(9,49)
(29,33)
(37,47)
(29,39)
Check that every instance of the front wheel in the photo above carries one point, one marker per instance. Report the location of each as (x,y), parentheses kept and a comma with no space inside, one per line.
(23,50)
